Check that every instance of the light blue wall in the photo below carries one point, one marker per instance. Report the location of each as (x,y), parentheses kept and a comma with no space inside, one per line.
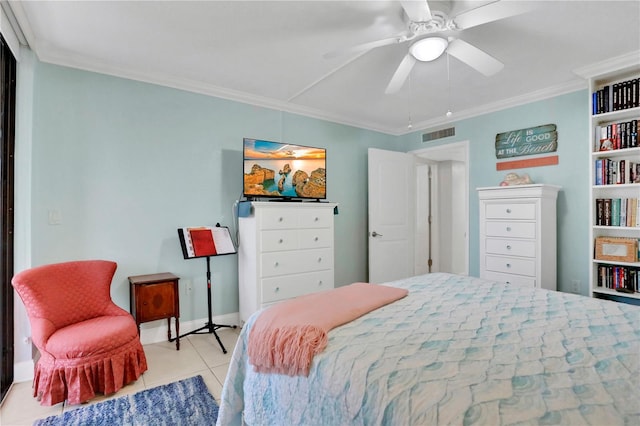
(570,113)
(127,163)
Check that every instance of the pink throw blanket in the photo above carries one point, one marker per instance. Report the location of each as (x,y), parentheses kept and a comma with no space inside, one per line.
(285,337)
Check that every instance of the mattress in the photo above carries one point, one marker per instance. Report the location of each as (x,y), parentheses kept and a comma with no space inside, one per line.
(457,350)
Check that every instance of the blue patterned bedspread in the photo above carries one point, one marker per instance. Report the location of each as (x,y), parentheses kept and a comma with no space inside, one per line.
(457,350)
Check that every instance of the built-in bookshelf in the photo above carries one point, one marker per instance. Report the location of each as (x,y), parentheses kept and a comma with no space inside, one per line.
(614,180)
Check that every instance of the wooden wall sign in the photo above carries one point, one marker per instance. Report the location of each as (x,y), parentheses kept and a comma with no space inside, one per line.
(531,141)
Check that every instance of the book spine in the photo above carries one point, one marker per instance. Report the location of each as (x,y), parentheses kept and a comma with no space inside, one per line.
(615,212)
(599,212)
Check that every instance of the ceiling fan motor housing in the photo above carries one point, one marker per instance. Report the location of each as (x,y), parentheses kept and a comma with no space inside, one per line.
(439,22)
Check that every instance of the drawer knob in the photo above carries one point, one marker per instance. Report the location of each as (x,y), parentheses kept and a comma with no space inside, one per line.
(508,229)
(508,282)
(508,265)
(280,241)
(320,282)
(508,210)
(319,259)
(316,219)
(277,289)
(315,239)
(508,247)
(275,264)
(280,219)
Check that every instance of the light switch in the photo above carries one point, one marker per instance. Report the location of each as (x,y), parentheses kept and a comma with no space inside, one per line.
(55,217)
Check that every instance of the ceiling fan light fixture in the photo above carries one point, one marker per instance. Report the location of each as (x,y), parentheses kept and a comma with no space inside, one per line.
(428,49)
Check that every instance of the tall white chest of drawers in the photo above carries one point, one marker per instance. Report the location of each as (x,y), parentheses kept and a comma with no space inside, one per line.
(518,234)
(286,250)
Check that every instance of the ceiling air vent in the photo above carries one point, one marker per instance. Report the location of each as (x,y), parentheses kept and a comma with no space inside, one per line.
(439,134)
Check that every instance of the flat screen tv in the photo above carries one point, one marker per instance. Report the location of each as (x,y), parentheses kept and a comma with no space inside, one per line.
(283,170)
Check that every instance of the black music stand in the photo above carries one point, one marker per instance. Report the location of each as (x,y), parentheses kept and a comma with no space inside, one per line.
(194,247)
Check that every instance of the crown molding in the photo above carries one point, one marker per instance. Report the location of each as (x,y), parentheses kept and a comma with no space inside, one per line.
(623,62)
(527,98)
(78,62)
(65,59)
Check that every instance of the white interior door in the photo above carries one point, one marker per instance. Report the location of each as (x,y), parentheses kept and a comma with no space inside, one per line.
(391,215)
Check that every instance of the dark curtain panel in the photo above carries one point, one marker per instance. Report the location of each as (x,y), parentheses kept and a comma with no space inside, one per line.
(7,132)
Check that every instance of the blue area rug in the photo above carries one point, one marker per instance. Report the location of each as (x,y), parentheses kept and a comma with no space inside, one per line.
(186,402)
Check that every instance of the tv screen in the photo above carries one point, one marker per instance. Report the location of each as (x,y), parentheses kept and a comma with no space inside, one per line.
(283,170)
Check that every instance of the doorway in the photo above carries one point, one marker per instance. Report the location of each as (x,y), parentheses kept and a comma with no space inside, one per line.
(442,209)
(418,212)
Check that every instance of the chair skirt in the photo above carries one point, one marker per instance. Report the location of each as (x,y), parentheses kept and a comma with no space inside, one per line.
(78,380)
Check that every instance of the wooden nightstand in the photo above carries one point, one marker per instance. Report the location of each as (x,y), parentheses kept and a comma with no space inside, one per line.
(154,297)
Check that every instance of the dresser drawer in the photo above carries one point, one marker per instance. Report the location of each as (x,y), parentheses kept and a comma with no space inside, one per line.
(278,218)
(526,211)
(315,238)
(511,265)
(510,229)
(288,286)
(278,240)
(525,248)
(295,262)
(315,218)
(510,279)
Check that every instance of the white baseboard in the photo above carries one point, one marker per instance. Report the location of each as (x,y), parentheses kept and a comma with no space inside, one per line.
(23,371)
(150,332)
(156,331)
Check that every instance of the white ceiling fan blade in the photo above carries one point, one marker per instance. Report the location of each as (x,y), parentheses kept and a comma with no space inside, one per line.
(417,11)
(364,47)
(491,12)
(474,57)
(401,74)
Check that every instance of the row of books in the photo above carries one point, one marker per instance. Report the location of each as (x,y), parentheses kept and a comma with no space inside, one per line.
(617,212)
(617,136)
(617,96)
(621,278)
(615,172)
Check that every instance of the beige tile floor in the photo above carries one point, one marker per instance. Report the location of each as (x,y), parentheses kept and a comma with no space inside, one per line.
(198,354)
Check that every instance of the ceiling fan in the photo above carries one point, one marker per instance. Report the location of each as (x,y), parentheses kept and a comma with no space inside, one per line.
(422,21)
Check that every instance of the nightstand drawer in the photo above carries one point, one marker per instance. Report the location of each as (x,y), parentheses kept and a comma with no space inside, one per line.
(525,248)
(511,229)
(511,265)
(526,211)
(288,286)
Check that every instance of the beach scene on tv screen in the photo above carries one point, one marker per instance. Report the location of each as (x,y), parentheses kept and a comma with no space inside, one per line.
(273,169)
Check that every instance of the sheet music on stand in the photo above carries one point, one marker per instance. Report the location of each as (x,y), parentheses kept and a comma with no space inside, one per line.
(207,241)
(203,241)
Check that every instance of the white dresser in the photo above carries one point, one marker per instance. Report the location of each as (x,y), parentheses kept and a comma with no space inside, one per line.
(286,250)
(518,234)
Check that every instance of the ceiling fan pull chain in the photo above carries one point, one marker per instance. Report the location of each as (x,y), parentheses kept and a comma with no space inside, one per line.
(448,89)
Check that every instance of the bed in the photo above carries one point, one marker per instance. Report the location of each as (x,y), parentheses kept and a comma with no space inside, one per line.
(456,350)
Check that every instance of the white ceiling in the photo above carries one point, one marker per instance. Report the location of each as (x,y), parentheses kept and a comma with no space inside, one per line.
(270,53)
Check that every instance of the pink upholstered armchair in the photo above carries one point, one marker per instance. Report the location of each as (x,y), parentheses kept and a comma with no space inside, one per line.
(87,343)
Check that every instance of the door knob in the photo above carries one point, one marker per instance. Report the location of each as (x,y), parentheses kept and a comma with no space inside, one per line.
(375,234)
